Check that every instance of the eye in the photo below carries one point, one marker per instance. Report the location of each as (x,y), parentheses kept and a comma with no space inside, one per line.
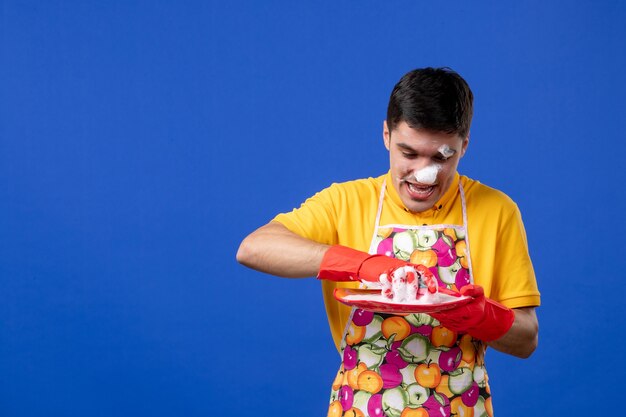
(409,155)
(440,158)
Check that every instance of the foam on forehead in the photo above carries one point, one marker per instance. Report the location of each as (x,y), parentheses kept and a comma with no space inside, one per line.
(446,151)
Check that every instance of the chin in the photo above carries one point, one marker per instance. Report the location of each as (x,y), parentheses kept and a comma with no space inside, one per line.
(418,207)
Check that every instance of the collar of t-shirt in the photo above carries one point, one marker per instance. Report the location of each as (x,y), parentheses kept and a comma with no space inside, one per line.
(446,198)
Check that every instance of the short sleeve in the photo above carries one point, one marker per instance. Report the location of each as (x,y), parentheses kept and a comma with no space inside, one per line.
(316,218)
(514,283)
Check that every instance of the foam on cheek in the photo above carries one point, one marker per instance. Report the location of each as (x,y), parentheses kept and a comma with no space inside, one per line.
(427,175)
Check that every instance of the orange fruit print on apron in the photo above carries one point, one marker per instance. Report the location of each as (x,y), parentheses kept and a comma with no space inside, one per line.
(409,365)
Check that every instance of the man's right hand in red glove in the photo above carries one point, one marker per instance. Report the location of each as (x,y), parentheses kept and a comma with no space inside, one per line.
(482,317)
(341,263)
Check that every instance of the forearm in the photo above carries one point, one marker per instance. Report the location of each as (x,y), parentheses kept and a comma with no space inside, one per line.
(276,250)
(521,339)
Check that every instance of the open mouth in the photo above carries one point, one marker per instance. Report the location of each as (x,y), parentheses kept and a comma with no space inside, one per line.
(419,191)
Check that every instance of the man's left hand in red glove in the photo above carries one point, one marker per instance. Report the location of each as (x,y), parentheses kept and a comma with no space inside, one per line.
(482,317)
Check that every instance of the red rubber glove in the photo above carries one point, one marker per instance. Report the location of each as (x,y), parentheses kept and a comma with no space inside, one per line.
(482,317)
(341,263)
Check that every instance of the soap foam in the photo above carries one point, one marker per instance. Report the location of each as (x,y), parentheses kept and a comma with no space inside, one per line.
(403,286)
(446,151)
(427,175)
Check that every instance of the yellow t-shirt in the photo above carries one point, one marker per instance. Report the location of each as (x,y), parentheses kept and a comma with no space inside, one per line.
(345,214)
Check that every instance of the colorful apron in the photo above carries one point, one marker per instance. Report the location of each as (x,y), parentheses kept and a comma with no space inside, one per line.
(409,365)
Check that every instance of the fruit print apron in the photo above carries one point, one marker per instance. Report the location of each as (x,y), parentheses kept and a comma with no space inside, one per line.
(409,365)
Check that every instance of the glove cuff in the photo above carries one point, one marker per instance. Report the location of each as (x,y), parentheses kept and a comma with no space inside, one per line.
(496,322)
(341,263)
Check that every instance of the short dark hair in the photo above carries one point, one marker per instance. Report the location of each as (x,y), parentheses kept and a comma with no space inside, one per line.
(435,99)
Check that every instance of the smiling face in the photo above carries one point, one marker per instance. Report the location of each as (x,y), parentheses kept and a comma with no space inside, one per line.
(422,163)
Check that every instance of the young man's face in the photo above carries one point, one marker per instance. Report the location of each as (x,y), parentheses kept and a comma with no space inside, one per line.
(423,163)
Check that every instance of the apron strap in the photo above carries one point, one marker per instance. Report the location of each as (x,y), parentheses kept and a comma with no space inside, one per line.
(381,198)
(465,225)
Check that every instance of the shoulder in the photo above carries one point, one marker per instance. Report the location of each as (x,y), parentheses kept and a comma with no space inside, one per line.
(343,197)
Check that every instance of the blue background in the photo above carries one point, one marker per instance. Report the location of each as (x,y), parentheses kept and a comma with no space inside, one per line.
(141,141)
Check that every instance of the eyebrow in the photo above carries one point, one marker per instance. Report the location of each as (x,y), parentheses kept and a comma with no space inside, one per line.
(405,147)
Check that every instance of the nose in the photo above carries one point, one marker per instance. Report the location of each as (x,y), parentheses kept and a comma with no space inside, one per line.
(420,162)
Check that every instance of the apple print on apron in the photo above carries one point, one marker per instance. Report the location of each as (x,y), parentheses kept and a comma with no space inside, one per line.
(409,365)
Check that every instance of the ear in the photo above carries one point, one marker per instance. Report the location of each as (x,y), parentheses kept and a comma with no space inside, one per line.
(386,134)
(464,145)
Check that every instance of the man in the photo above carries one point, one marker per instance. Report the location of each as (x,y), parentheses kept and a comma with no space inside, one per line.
(423,215)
